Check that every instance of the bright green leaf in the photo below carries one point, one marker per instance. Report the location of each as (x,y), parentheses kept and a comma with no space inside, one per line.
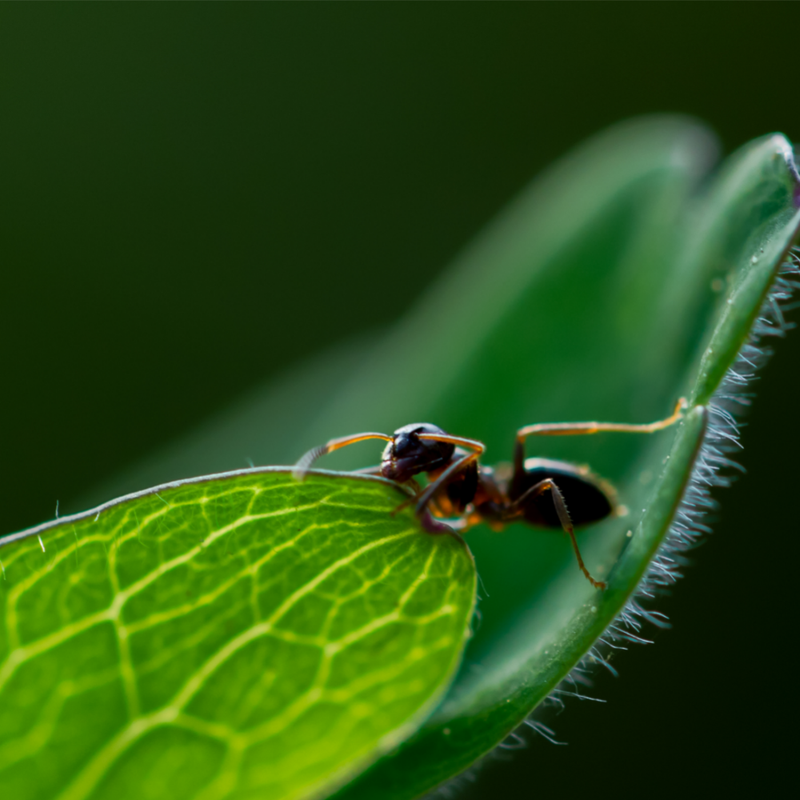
(223,636)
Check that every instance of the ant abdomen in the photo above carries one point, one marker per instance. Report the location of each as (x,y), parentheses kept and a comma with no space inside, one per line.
(587,497)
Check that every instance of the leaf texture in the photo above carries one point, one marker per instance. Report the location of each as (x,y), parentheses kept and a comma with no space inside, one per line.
(245,633)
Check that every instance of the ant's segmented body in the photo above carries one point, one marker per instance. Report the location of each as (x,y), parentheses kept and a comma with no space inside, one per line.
(537,490)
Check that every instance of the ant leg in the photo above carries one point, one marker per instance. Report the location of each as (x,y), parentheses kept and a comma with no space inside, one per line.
(584,428)
(423,499)
(432,525)
(455,466)
(432,487)
(548,485)
(305,462)
(460,526)
(580,428)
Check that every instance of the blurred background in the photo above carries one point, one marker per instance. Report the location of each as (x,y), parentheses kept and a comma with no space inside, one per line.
(195,199)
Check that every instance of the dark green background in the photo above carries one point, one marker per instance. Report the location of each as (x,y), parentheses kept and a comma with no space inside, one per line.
(195,197)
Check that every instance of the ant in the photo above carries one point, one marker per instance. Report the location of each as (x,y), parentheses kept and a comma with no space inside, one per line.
(535,490)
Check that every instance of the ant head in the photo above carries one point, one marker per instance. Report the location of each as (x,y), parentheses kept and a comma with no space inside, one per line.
(408,455)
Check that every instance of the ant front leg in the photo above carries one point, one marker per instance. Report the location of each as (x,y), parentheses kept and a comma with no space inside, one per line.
(548,485)
(456,466)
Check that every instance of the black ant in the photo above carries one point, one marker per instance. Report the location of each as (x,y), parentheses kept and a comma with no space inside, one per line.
(535,490)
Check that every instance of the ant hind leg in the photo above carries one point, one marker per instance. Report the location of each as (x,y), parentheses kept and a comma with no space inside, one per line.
(548,485)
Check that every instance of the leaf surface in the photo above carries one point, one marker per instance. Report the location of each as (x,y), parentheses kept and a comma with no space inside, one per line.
(244,633)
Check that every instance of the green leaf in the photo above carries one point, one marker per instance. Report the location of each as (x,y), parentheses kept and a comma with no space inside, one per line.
(228,635)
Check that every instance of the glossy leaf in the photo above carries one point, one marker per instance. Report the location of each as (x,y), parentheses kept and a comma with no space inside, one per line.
(244,633)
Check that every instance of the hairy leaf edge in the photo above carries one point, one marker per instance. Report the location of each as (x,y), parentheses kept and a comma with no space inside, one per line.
(720,438)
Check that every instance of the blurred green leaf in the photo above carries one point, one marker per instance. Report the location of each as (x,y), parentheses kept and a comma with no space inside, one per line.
(244,633)
(659,254)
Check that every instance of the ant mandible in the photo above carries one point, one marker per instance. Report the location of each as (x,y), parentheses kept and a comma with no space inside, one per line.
(459,486)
